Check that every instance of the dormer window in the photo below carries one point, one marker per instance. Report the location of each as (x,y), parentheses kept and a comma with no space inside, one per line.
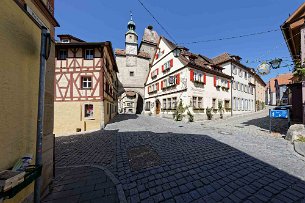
(89,54)
(65,41)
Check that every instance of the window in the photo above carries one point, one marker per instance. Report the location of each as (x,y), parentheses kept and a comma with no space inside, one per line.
(88,111)
(214,104)
(164,103)
(131,73)
(86,82)
(200,102)
(227,104)
(194,102)
(89,54)
(65,40)
(234,70)
(174,104)
(147,106)
(63,54)
(169,103)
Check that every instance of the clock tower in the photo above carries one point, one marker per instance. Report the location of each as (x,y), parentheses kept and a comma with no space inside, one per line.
(131,43)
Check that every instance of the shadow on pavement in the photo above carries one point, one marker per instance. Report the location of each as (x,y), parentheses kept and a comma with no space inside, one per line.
(192,168)
(123,117)
(278,125)
(199,168)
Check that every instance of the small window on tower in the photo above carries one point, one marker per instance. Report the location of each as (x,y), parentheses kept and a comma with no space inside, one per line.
(131,73)
(62,54)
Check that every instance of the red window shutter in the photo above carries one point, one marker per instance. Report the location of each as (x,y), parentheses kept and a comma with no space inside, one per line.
(171,62)
(205,78)
(163,52)
(162,68)
(178,79)
(161,84)
(228,84)
(192,75)
(157,86)
(215,80)
(157,55)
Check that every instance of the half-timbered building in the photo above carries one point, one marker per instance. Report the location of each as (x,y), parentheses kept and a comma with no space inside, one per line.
(85,86)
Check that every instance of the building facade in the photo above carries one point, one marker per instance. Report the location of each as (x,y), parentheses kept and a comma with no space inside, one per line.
(277,90)
(260,92)
(243,86)
(86,85)
(133,64)
(190,78)
(20,27)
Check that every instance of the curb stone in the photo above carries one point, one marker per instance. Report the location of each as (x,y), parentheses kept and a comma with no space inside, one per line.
(299,147)
(119,187)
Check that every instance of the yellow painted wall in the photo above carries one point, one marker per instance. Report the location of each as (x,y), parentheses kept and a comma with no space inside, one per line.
(20,58)
(20,40)
(70,115)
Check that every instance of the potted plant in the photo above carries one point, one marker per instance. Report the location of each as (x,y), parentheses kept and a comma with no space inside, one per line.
(178,113)
(190,116)
(209,113)
(220,108)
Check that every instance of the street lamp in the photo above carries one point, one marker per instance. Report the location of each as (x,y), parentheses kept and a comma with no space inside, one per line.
(177,51)
(275,64)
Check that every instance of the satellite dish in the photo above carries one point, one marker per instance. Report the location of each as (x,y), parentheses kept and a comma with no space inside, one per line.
(263,68)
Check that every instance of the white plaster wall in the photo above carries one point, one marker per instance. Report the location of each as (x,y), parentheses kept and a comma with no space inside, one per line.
(237,93)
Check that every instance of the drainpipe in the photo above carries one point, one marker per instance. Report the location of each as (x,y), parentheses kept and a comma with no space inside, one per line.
(45,35)
(232,90)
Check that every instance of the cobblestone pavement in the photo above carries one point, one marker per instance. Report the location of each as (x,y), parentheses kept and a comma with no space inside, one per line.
(195,162)
(82,184)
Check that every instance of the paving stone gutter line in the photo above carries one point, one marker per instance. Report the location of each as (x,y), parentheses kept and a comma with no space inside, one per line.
(299,147)
(119,187)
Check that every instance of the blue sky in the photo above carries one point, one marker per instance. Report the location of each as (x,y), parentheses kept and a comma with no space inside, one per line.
(186,21)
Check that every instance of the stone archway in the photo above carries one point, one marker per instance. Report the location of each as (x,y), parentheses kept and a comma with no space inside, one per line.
(131,102)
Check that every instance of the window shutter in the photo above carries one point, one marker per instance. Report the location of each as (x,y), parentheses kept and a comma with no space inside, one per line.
(178,79)
(157,71)
(157,86)
(192,75)
(162,68)
(171,62)
(151,74)
(215,81)
(163,52)
(157,55)
(205,78)
(228,84)
(161,84)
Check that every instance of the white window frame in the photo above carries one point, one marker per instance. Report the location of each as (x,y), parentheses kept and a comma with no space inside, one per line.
(86,82)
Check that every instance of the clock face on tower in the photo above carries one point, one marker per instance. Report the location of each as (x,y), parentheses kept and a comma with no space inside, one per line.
(131,49)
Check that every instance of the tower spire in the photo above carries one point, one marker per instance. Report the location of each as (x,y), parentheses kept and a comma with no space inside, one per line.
(130,15)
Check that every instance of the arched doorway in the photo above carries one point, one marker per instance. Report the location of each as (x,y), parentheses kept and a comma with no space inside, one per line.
(139,104)
(158,106)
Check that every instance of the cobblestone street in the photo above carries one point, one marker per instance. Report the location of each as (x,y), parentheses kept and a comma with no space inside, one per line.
(159,160)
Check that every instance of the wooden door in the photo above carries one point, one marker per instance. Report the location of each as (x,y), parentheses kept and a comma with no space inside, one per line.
(158,107)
